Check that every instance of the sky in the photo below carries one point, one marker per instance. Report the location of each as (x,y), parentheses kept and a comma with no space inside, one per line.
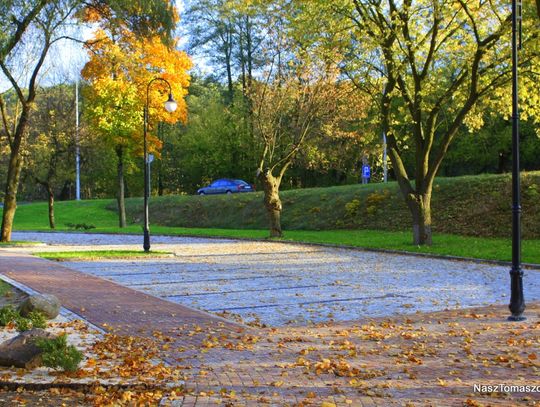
(66,60)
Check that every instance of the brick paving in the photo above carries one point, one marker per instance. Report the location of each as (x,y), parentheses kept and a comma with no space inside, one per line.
(420,359)
(103,303)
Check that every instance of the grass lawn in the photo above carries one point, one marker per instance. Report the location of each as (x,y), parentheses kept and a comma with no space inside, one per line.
(444,244)
(5,288)
(100,254)
(19,243)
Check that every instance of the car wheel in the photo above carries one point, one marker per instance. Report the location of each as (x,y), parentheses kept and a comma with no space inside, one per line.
(229,192)
(202,193)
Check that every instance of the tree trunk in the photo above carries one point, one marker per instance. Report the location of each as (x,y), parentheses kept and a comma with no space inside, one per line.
(121,192)
(50,192)
(420,207)
(230,85)
(272,202)
(10,199)
(160,180)
(13,175)
(250,52)
(228,64)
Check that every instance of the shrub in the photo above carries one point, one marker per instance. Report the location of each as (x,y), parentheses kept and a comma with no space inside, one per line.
(38,319)
(7,314)
(57,354)
(35,319)
(352,209)
(371,210)
(532,192)
(378,197)
(22,323)
(80,226)
(375,200)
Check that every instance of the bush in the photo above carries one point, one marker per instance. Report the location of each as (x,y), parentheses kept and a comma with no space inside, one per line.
(35,319)
(7,314)
(22,323)
(58,355)
(38,319)
(352,209)
(79,226)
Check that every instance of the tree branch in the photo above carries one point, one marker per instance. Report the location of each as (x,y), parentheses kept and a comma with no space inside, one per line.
(5,120)
(22,26)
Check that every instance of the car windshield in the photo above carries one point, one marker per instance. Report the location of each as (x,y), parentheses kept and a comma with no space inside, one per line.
(240,182)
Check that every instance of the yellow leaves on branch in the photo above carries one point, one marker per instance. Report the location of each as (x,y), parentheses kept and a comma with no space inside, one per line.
(120,67)
(171,65)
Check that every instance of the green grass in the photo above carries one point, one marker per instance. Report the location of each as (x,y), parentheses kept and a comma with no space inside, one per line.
(468,206)
(5,288)
(94,212)
(100,254)
(19,243)
(471,216)
(444,244)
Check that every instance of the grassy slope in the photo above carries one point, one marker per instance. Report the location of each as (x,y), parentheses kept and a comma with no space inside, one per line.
(471,206)
(372,209)
(35,216)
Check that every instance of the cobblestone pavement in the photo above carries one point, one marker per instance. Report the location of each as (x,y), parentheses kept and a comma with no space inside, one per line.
(423,358)
(277,284)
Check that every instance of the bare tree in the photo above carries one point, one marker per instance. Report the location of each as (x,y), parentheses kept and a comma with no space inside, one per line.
(289,111)
(31,28)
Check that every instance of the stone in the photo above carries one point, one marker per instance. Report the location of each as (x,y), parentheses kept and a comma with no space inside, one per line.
(21,351)
(47,304)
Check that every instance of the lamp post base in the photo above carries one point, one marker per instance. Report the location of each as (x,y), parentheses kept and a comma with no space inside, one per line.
(146,243)
(517,301)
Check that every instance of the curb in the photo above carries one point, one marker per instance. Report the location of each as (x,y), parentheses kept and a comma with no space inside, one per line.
(14,386)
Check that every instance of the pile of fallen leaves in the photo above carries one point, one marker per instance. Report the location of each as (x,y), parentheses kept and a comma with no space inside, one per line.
(329,364)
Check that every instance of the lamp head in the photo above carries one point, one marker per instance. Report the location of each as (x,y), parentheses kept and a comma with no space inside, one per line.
(171,105)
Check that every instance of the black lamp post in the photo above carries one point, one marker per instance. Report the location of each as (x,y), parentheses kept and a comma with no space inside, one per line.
(170,106)
(517,302)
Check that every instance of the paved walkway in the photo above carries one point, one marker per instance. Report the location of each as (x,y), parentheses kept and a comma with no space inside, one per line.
(419,359)
(104,303)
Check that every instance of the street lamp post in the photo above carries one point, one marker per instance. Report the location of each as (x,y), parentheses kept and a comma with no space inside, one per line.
(170,106)
(517,302)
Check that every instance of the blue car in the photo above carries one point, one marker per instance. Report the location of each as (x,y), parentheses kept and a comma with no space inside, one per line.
(226,186)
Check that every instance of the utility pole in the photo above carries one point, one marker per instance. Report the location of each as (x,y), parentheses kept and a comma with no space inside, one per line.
(77,151)
(517,301)
(384,157)
(385,164)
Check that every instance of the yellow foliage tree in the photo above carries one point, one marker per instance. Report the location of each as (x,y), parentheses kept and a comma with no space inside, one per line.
(120,67)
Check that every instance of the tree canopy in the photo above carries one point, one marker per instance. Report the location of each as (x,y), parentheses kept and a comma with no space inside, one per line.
(29,29)
(432,65)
